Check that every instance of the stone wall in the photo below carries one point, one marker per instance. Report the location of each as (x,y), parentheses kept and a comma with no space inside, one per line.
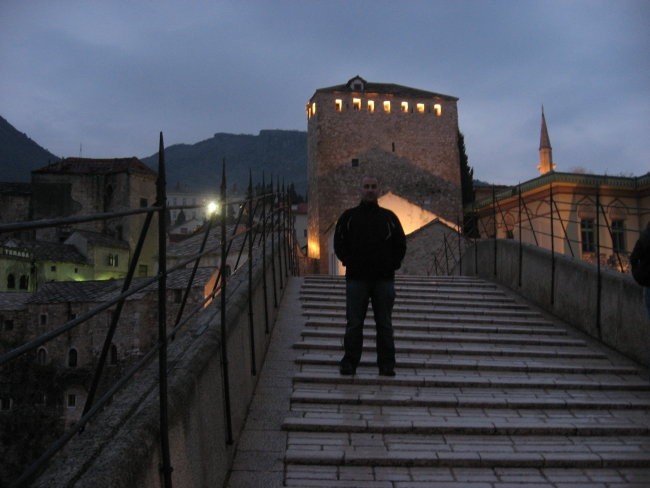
(572,294)
(426,253)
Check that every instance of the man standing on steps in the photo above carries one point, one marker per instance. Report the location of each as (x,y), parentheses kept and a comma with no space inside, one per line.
(370,242)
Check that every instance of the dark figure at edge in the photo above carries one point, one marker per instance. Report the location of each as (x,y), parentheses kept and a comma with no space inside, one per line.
(640,260)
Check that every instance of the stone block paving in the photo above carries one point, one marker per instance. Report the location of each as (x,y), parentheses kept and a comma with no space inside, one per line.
(489,392)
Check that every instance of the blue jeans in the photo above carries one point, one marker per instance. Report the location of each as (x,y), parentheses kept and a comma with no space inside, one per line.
(358,293)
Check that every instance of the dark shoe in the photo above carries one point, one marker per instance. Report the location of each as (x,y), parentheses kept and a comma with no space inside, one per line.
(386,372)
(347,369)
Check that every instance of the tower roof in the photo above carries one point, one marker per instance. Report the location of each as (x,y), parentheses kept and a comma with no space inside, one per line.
(544,139)
(358,84)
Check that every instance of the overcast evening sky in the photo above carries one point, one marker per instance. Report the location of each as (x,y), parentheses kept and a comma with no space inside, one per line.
(106,76)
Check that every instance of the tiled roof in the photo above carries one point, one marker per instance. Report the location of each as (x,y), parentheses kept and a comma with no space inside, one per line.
(49,251)
(101,291)
(191,245)
(178,279)
(97,166)
(77,291)
(388,88)
(14,300)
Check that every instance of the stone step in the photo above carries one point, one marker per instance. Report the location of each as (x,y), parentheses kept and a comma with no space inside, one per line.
(467,451)
(474,381)
(402,310)
(483,365)
(485,386)
(346,476)
(442,327)
(424,425)
(400,279)
(510,400)
(428,306)
(406,287)
(448,317)
(325,294)
(438,337)
(467,349)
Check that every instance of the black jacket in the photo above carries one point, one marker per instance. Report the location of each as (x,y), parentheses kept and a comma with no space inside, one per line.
(640,258)
(370,242)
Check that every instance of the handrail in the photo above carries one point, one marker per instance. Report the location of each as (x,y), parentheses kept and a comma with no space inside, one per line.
(268,215)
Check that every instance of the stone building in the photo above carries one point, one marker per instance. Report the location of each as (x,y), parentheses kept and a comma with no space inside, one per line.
(15,199)
(107,256)
(81,186)
(405,136)
(74,354)
(27,264)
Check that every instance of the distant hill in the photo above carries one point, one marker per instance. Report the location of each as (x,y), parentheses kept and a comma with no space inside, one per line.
(19,155)
(280,153)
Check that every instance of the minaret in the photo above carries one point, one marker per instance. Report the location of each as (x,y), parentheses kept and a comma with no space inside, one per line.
(545,151)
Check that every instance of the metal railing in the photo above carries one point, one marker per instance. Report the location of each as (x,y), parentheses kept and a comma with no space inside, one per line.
(581,229)
(268,217)
(576,228)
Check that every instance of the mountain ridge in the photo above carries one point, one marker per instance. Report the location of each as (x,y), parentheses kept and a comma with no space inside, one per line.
(19,155)
(277,153)
(273,153)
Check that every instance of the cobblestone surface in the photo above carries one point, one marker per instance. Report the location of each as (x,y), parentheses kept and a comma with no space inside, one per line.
(489,393)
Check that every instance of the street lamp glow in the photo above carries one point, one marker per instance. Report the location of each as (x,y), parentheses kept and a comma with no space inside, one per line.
(212,208)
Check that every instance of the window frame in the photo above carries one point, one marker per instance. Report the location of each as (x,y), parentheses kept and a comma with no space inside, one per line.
(587,235)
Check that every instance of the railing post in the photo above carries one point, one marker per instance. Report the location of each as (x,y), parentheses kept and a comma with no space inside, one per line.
(285,228)
(266,299)
(521,249)
(275,287)
(460,251)
(550,190)
(224,338)
(279,230)
(165,467)
(494,218)
(251,326)
(599,284)
(444,237)
(478,231)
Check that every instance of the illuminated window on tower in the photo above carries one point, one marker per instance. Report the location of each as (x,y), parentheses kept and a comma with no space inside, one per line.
(405,106)
(339,105)
(371,106)
(420,107)
(356,103)
(387,106)
(437,109)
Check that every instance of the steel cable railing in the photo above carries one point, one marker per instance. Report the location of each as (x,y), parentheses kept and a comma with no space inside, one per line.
(267,215)
(579,224)
(574,229)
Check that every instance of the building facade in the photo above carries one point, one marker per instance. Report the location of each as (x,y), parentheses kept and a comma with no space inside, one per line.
(81,186)
(406,137)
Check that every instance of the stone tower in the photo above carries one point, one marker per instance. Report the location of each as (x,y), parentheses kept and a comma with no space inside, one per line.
(406,137)
(545,151)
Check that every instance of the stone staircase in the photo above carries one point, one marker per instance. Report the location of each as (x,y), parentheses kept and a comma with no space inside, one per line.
(488,393)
